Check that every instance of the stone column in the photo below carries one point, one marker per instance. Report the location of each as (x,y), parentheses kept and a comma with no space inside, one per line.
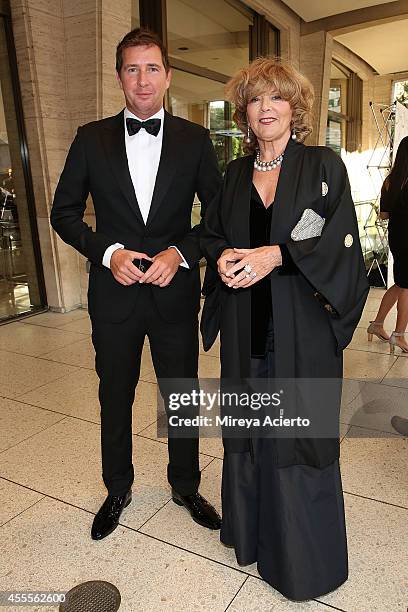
(315,60)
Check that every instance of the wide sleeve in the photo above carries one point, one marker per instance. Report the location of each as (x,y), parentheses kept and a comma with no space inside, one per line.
(213,242)
(333,263)
(213,238)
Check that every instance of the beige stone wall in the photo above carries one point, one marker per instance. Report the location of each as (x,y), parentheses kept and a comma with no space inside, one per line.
(315,60)
(65,52)
(116,21)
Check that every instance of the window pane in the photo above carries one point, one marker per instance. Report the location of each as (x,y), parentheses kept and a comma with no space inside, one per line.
(334,136)
(273,41)
(201,100)
(335,98)
(338,89)
(211,34)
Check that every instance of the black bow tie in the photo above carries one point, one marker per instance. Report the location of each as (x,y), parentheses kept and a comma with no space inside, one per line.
(152,126)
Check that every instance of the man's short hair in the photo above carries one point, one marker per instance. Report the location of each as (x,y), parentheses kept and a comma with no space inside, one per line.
(141,37)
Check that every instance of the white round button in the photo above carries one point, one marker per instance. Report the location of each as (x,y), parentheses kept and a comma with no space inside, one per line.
(348,240)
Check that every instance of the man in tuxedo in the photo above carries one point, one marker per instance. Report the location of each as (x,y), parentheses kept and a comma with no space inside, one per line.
(142,168)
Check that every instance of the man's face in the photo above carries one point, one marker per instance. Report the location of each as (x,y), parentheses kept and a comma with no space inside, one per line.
(143,80)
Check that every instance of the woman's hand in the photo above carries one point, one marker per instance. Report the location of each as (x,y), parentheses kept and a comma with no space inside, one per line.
(227,260)
(260,262)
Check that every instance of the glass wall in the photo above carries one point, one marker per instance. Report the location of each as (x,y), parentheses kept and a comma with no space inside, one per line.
(21,286)
(208,42)
(200,99)
(337,113)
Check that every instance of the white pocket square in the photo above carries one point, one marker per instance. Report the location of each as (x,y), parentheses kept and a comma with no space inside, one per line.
(310,225)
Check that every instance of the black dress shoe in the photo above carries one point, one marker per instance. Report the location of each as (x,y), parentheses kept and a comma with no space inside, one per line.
(107,518)
(202,512)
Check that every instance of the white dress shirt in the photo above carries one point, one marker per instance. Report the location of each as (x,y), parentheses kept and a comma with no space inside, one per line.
(143,152)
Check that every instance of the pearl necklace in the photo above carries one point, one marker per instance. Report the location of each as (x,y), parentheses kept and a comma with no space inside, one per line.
(266,166)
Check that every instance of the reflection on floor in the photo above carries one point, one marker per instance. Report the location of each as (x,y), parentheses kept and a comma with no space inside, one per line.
(14,299)
(159,559)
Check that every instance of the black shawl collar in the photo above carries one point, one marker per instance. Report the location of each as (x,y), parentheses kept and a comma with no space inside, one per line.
(114,143)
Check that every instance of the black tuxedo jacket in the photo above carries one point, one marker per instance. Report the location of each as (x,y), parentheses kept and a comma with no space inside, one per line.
(97,165)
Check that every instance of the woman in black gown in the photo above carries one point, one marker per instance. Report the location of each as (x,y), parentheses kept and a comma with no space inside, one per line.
(286,304)
(394,206)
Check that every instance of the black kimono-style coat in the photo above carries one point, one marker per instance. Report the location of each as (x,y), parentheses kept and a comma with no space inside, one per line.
(310,332)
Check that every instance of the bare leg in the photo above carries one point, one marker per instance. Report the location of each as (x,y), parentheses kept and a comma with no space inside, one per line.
(402,316)
(387,302)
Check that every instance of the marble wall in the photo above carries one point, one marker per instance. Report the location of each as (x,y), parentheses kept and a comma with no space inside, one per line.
(315,61)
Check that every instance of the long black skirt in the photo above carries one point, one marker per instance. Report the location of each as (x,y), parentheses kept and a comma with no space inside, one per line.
(289,520)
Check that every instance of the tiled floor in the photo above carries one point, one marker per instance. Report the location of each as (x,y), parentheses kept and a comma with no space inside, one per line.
(50,485)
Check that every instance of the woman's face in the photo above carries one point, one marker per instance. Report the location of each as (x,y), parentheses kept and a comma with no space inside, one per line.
(269,116)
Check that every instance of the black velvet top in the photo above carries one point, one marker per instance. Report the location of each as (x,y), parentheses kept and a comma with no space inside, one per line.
(260,219)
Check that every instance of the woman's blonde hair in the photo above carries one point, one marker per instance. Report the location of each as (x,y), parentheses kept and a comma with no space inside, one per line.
(260,77)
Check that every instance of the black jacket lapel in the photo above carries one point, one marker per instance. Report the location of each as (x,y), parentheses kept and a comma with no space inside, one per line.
(284,202)
(169,160)
(283,219)
(114,143)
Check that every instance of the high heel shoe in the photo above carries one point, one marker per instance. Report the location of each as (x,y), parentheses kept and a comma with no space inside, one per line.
(371,331)
(394,342)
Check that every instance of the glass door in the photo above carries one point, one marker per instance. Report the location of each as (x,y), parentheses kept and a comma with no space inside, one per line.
(21,282)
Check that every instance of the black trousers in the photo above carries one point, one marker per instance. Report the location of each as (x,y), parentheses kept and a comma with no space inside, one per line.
(118,348)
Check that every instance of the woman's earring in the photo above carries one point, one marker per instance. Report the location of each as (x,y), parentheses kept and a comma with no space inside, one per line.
(247,138)
(293,134)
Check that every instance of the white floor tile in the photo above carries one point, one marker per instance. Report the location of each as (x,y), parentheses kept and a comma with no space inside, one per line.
(150,575)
